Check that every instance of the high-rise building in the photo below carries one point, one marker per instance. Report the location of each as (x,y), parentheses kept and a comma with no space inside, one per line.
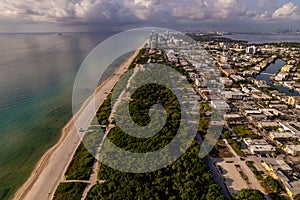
(251,50)
(153,44)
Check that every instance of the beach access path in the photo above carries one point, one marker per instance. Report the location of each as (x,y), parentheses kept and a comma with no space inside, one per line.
(49,171)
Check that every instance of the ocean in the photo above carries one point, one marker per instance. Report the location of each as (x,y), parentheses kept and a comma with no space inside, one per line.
(37,73)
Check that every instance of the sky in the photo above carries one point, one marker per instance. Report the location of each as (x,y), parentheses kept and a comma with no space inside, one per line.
(118,15)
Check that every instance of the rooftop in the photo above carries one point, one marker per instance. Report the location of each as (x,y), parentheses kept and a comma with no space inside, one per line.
(294,187)
(249,141)
(269,124)
(295,148)
(282,135)
(262,148)
(278,164)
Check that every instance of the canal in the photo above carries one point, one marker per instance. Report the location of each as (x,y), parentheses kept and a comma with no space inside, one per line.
(272,70)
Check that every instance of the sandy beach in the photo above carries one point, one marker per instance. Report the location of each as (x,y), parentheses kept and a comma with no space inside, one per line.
(50,169)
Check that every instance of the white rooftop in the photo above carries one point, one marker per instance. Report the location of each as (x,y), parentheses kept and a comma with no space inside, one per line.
(249,141)
(262,148)
(282,135)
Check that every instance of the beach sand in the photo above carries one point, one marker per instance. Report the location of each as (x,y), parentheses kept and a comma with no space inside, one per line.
(50,169)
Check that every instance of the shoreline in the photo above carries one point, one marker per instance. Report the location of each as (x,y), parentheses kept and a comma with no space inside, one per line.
(69,128)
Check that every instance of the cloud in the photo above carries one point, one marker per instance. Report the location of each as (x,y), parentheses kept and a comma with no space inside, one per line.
(143,9)
(263,17)
(169,13)
(81,10)
(50,11)
(267,3)
(288,11)
(210,10)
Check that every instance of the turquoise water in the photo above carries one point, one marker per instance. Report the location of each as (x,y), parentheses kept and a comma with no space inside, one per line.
(37,73)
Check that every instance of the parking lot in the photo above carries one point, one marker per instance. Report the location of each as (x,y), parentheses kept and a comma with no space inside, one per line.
(232,177)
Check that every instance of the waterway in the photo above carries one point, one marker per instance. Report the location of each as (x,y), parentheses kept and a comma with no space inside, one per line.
(265,38)
(272,70)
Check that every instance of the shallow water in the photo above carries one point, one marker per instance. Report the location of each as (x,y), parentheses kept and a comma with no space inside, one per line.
(37,73)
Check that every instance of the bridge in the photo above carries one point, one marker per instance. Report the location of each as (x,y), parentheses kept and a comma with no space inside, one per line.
(263,73)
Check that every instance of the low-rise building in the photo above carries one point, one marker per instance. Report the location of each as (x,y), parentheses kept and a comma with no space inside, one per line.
(220,105)
(260,83)
(249,142)
(237,78)
(268,124)
(259,146)
(228,72)
(252,112)
(281,76)
(249,73)
(226,81)
(254,149)
(200,82)
(279,106)
(286,68)
(282,136)
(294,101)
(292,188)
(271,113)
(280,171)
(232,117)
(291,127)
(275,166)
(234,95)
(257,117)
(293,150)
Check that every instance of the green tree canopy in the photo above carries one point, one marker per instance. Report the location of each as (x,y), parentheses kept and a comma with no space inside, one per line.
(250,194)
(214,193)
